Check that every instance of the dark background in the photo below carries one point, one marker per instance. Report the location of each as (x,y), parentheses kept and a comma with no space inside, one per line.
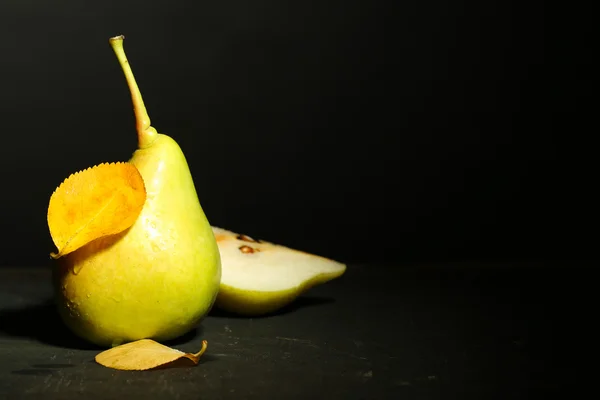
(380,131)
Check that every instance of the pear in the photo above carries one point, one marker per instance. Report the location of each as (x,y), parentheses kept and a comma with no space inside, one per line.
(260,277)
(158,278)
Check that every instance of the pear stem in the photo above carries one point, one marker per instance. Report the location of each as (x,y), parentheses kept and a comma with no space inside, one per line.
(146,133)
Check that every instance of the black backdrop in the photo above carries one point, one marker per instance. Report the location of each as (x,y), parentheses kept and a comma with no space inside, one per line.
(359,130)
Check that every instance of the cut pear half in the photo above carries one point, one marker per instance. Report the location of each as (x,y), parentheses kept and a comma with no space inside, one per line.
(260,277)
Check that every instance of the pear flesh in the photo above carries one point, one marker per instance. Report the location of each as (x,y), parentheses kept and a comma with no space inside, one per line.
(161,276)
(260,277)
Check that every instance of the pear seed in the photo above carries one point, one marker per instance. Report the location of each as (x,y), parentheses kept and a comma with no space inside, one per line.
(247,249)
(246,238)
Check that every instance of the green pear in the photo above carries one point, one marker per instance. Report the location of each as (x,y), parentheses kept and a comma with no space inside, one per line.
(158,278)
(261,277)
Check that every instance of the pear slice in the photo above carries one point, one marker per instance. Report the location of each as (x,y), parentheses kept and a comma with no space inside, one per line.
(260,277)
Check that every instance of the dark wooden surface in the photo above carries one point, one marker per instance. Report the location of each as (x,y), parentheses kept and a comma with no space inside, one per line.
(416,331)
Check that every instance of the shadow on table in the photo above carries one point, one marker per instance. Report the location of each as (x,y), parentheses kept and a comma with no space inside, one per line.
(300,302)
(42,323)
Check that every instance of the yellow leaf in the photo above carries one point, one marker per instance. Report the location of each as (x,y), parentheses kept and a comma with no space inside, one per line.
(99,201)
(144,354)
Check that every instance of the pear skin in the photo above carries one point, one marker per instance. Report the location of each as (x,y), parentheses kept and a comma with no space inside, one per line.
(158,278)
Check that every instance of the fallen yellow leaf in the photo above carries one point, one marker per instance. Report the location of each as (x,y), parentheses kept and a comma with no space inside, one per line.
(99,201)
(144,354)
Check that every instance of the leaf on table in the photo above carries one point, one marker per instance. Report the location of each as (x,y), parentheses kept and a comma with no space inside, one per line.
(144,354)
(102,200)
